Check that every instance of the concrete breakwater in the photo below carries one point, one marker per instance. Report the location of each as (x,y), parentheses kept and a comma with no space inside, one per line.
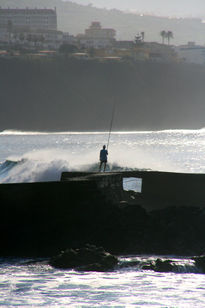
(166,217)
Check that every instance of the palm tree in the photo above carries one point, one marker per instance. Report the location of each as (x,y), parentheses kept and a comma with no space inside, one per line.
(138,39)
(169,36)
(21,37)
(142,35)
(9,29)
(41,39)
(29,38)
(163,34)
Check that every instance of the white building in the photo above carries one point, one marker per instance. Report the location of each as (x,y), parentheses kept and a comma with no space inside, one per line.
(28,19)
(30,27)
(96,36)
(160,53)
(191,53)
(69,39)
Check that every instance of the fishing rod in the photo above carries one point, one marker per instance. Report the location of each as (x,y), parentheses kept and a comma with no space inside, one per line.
(111,123)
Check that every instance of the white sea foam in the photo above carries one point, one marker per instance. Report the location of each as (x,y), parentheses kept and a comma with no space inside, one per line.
(39,285)
(47,165)
(42,165)
(173,131)
(42,157)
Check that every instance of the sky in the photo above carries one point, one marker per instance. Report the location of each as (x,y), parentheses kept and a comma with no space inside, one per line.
(176,8)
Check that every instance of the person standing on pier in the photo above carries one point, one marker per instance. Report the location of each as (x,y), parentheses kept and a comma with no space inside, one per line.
(103,158)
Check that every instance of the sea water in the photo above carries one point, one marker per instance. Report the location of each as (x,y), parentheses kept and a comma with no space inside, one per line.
(31,157)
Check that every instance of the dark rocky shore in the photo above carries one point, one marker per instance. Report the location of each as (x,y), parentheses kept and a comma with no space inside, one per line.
(41,219)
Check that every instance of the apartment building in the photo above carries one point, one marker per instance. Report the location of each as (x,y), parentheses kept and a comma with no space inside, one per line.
(96,36)
(27,19)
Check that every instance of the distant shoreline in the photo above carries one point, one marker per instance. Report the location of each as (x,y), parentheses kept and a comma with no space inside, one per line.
(16,132)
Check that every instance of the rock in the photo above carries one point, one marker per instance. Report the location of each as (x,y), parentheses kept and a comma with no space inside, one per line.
(148,266)
(200,263)
(159,266)
(125,264)
(163,266)
(88,258)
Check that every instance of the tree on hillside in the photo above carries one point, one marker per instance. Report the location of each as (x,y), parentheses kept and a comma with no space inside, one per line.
(163,34)
(166,35)
(68,48)
(169,36)
(91,52)
(143,35)
(9,29)
(21,37)
(139,38)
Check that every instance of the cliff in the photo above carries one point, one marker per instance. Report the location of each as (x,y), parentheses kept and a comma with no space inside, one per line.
(64,94)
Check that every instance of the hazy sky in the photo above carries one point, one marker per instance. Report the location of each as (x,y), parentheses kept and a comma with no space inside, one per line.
(182,8)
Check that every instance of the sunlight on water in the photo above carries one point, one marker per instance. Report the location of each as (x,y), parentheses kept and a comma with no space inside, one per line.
(41,285)
(44,156)
(28,157)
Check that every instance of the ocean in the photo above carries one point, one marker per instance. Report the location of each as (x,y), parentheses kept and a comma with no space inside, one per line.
(34,157)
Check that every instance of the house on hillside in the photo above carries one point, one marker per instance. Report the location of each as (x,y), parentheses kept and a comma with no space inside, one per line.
(160,52)
(191,53)
(96,36)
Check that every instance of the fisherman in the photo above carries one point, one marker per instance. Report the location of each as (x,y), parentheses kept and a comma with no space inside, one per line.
(103,157)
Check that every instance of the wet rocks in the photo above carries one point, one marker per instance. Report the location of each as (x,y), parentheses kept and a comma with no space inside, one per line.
(163,266)
(160,266)
(200,263)
(88,258)
(175,230)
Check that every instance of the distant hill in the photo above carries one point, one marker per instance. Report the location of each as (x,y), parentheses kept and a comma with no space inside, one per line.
(182,8)
(74,18)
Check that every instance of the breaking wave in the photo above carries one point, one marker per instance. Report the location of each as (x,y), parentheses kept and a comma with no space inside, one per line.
(176,264)
(44,156)
(37,170)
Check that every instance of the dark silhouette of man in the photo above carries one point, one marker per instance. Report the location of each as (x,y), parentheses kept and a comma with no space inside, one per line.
(103,158)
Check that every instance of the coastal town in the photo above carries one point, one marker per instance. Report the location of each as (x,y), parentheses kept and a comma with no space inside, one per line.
(34,33)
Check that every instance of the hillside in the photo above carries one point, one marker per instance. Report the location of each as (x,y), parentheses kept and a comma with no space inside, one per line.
(182,8)
(74,18)
(75,95)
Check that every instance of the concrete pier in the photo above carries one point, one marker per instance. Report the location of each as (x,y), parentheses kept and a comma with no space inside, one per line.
(40,219)
(159,189)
